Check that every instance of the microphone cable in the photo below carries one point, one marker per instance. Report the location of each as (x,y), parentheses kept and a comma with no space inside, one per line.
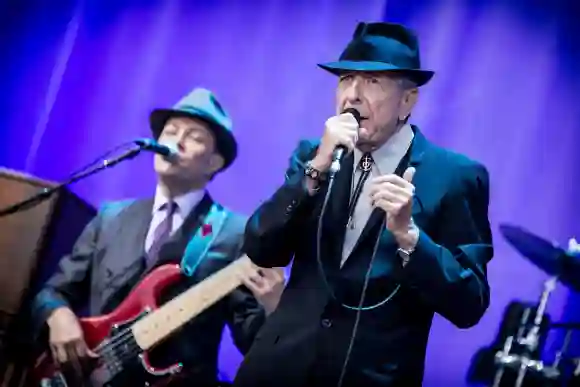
(360,308)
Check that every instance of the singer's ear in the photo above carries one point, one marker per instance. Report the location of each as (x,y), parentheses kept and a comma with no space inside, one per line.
(216,162)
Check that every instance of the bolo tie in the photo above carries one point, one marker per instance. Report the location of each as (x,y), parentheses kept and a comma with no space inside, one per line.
(365,165)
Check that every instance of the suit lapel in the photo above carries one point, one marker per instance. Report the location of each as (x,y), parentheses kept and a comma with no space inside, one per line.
(413,158)
(124,261)
(198,247)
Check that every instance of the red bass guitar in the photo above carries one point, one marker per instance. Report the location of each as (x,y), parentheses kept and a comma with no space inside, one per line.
(124,336)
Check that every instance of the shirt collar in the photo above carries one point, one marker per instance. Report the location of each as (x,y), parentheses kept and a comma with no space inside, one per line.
(393,150)
(185,203)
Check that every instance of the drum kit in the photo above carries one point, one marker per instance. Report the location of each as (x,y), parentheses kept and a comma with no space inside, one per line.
(517,362)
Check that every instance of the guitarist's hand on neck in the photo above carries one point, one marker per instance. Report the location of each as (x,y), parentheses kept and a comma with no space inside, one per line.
(66,340)
(267,285)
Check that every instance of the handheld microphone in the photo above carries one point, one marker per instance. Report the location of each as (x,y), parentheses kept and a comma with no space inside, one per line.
(341,150)
(167,151)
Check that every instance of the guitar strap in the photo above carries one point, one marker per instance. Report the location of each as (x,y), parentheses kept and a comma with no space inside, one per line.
(198,247)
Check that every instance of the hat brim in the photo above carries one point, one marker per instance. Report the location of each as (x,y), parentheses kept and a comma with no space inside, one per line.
(225,141)
(420,77)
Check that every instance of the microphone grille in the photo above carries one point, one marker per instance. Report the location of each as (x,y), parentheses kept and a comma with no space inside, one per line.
(171,146)
(354,112)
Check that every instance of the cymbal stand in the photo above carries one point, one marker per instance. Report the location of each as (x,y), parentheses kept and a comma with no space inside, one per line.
(507,346)
(560,354)
(503,357)
(531,341)
(554,371)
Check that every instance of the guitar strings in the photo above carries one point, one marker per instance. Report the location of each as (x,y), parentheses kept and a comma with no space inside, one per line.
(108,346)
(106,349)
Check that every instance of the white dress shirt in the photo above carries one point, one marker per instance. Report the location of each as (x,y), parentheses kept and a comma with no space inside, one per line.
(185,204)
(386,159)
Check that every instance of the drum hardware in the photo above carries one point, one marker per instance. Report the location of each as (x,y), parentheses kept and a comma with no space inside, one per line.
(573,374)
(516,321)
(564,267)
(560,354)
(529,342)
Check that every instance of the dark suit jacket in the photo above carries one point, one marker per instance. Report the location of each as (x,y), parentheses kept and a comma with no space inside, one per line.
(305,340)
(107,261)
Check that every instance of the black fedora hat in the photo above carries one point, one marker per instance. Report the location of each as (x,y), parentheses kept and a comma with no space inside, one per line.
(378,47)
(202,104)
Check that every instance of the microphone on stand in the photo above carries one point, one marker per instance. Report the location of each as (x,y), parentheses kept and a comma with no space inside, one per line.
(341,150)
(169,151)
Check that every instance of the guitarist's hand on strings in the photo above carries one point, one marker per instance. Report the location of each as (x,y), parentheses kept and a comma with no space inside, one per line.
(66,340)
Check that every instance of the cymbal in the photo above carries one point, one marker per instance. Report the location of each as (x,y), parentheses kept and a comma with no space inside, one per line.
(547,256)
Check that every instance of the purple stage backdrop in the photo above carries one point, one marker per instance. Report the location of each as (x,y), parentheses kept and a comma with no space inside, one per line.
(80,77)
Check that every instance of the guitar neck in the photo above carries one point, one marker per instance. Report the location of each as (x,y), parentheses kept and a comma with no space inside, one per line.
(156,326)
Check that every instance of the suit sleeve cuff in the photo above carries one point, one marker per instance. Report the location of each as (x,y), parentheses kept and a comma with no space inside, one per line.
(297,190)
(46,304)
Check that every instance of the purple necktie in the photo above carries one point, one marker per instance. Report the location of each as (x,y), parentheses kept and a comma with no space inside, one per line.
(161,233)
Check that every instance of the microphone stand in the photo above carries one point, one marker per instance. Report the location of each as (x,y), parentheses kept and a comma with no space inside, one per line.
(33,201)
(48,192)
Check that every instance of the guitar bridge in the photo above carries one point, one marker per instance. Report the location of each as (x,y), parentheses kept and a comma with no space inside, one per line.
(57,381)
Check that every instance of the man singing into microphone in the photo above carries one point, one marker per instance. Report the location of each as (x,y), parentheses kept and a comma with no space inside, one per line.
(404,235)
(181,224)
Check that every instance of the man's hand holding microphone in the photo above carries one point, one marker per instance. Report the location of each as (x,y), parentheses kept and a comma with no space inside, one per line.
(392,193)
(340,131)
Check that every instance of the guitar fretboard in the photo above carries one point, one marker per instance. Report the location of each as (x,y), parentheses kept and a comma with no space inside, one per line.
(156,326)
